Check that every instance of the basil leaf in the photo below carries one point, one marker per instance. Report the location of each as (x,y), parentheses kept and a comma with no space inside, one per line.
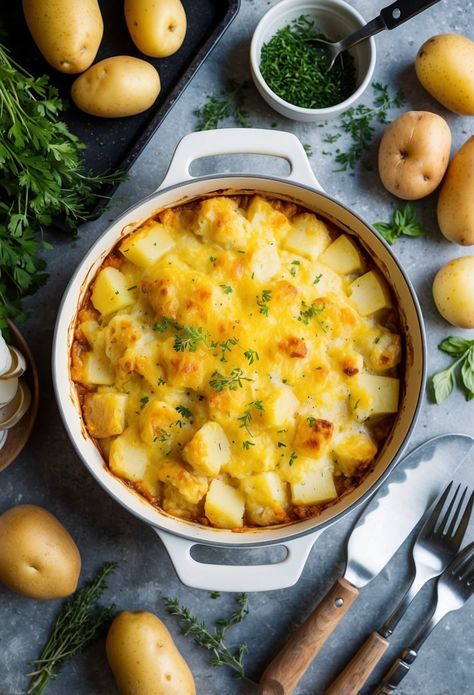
(469,395)
(443,385)
(455,346)
(467,371)
(387,232)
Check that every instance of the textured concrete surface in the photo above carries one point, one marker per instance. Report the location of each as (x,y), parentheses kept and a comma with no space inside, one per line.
(49,473)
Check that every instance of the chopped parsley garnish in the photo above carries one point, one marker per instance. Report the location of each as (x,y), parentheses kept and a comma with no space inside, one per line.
(226,346)
(213,260)
(293,457)
(307,312)
(280,444)
(227,289)
(247,444)
(262,302)
(160,381)
(133,287)
(317,279)
(189,338)
(144,401)
(311,421)
(162,435)
(299,72)
(294,268)
(185,412)
(251,356)
(219,382)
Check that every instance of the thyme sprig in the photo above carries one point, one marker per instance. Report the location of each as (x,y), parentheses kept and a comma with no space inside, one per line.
(359,123)
(77,625)
(222,655)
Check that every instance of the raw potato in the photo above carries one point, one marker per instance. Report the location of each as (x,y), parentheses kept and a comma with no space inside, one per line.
(414,154)
(117,87)
(144,659)
(453,292)
(445,67)
(157,27)
(456,197)
(38,557)
(67,32)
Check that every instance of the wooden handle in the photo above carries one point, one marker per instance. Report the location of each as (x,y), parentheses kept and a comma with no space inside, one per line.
(283,673)
(358,670)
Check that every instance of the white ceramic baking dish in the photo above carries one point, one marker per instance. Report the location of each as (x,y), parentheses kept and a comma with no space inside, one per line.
(300,186)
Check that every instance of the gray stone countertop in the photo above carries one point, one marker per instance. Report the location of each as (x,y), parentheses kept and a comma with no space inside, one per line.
(49,473)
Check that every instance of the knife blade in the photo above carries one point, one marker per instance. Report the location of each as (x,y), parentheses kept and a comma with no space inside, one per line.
(375,538)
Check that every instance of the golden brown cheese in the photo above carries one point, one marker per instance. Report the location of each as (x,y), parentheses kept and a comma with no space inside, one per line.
(237,354)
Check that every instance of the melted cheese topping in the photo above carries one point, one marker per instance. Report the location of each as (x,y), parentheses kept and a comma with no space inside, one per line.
(237,361)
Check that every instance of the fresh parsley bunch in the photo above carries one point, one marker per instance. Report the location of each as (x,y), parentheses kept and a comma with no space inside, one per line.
(42,177)
(403,221)
(443,382)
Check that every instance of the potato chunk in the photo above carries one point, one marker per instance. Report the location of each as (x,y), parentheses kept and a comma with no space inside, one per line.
(266,498)
(128,457)
(354,452)
(312,436)
(96,369)
(386,353)
(369,293)
(374,395)
(280,407)
(147,245)
(192,487)
(265,262)
(156,420)
(104,413)
(309,236)
(208,450)
(110,291)
(224,505)
(316,487)
(343,256)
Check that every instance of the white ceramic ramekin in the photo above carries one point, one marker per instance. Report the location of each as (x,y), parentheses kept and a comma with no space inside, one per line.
(336,20)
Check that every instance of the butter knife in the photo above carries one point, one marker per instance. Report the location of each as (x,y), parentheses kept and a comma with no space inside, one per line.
(375,538)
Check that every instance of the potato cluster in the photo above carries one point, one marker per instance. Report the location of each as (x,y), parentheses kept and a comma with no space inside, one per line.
(414,160)
(68,34)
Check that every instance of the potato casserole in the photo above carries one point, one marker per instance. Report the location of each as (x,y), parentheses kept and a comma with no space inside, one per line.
(237,361)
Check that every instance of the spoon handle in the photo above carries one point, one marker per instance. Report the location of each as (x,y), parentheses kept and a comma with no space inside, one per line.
(398,12)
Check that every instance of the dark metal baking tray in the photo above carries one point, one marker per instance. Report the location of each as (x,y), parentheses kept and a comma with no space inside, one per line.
(114,144)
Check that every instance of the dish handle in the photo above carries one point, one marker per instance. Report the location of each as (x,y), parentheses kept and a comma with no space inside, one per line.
(211,577)
(207,143)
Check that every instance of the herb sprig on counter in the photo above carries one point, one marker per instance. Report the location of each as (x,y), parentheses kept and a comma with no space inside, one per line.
(224,105)
(214,641)
(359,123)
(404,221)
(77,625)
(299,72)
(42,176)
(443,382)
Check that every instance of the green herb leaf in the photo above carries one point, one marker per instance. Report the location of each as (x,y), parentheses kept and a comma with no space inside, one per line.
(403,222)
(443,385)
(455,346)
(467,371)
(219,382)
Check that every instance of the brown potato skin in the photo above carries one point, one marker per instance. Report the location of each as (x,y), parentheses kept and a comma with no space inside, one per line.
(38,557)
(456,197)
(144,659)
(67,32)
(453,292)
(116,87)
(445,67)
(414,154)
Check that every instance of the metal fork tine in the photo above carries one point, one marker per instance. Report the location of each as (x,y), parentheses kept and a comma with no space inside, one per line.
(463,561)
(457,512)
(442,525)
(434,516)
(461,529)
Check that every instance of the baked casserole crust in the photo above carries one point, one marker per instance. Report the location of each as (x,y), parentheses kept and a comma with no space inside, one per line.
(237,361)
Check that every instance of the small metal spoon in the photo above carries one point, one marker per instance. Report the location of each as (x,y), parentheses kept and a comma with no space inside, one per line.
(389,18)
